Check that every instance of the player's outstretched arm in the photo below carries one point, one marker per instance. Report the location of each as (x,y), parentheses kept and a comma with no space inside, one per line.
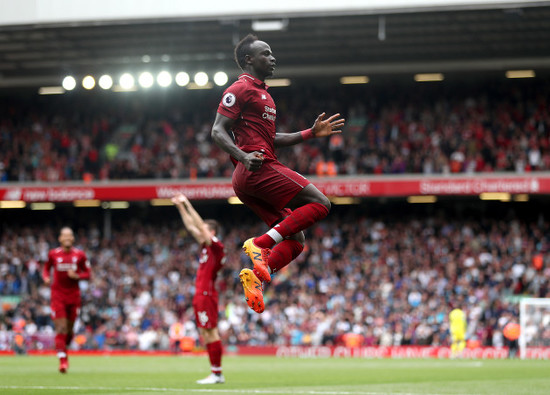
(288,139)
(198,221)
(187,219)
(327,127)
(252,161)
(321,128)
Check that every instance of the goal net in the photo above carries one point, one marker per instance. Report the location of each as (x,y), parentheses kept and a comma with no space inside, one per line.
(534,320)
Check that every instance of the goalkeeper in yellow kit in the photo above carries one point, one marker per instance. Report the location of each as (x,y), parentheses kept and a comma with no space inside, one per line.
(457,321)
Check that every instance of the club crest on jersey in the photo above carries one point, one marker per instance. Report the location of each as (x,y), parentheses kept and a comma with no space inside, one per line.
(264,97)
(229,99)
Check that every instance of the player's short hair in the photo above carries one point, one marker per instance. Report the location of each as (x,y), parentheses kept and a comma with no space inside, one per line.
(243,48)
(213,224)
(65,227)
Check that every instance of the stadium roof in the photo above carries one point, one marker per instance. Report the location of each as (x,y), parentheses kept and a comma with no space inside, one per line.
(488,39)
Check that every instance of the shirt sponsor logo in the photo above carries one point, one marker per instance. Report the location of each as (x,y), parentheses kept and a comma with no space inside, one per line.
(229,99)
(270,113)
(65,267)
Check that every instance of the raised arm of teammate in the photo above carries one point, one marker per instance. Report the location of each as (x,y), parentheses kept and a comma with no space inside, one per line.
(197,219)
(192,220)
(321,128)
(252,161)
(199,222)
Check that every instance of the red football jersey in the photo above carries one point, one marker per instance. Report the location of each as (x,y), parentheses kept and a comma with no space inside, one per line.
(253,109)
(62,261)
(211,260)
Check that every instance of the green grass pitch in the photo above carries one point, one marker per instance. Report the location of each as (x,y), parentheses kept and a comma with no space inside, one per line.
(271,375)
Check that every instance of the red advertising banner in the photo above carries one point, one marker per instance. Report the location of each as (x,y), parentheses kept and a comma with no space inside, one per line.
(399,352)
(389,352)
(367,186)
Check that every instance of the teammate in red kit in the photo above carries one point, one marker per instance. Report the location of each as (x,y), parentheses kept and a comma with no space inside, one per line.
(69,265)
(205,301)
(286,201)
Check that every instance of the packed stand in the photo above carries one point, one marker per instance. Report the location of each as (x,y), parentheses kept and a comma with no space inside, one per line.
(389,130)
(360,281)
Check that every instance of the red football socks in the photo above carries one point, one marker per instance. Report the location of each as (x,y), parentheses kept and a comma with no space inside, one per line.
(61,344)
(300,219)
(284,253)
(215,354)
(264,241)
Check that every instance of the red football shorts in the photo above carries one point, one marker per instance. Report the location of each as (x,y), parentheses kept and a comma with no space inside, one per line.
(60,309)
(268,190)
(206,311)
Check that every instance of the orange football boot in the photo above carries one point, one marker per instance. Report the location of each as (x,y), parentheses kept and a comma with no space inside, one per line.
(253,291)
(259,257)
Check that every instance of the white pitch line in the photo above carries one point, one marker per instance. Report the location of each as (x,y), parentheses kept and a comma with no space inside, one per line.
(200,390)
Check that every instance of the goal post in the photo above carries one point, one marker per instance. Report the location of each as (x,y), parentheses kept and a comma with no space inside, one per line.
(534,319)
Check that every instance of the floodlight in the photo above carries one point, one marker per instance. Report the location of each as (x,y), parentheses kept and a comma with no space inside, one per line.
(164,79)
(201,78)
(105,81)
(182,78)
(146,80)
(126,81)
(69,83)
(220,78)
(88,82)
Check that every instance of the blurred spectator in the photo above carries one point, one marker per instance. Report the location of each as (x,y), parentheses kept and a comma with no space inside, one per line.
(361,282)
(440,129)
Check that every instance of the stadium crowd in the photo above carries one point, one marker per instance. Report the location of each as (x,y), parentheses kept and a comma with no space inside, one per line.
(389,130)
(361,281)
